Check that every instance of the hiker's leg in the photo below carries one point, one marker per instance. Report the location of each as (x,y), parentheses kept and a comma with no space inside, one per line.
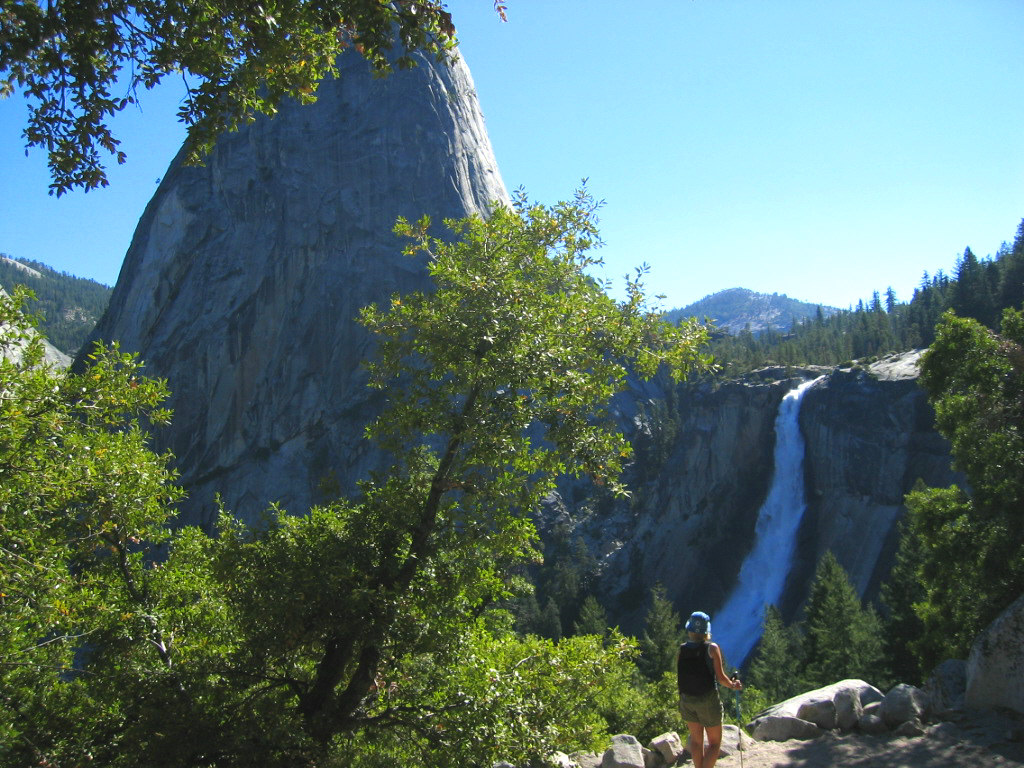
(696,744)
(714,733)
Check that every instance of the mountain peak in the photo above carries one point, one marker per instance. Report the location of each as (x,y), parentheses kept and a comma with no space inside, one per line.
(734,309)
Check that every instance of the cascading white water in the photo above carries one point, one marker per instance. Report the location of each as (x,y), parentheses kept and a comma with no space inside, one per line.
(737,625)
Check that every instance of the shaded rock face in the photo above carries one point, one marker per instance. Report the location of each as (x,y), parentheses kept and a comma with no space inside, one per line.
(703,488)
(868,434)
(244,278)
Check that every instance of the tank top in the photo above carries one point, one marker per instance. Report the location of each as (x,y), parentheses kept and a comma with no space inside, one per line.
(694,672)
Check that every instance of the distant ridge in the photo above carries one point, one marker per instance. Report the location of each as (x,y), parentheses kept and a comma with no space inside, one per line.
(70,305)
(734,309)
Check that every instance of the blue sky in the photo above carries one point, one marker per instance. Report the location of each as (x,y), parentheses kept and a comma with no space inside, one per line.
(820,149)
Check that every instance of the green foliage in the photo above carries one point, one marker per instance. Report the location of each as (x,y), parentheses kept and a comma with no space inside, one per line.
(593,620)
(899,595)
(644,708)
(78,64)
(661,636)
(369,621)
(842,639)
(966,548)
(777,666)
(70,306)
(564,575)
(500,698)
(82,499)
(549,621)
(838,639)
(498,382)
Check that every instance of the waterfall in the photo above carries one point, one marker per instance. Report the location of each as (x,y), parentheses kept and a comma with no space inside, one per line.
(737,625)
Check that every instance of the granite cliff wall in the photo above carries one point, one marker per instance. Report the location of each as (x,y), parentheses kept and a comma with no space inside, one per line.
(244,277)
(869,436)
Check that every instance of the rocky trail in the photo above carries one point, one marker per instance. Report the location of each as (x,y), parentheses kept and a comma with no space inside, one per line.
(990,738)
(850,723)
(977,738)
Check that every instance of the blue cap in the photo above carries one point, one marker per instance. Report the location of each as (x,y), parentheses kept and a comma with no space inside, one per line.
(699,623)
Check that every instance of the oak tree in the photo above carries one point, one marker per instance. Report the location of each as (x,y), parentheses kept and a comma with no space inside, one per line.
(276,645)
(79,64)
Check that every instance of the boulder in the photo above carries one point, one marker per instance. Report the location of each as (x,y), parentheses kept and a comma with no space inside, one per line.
(903,704)
(871,724)
(783,728)
(911,728)
(995,667)
(820,706)
(821,712)
(848,708)
(946,687)
(669,746)
(587,759)
(734,740)
(652,759)
(562,760)
(625,752)
(946,731)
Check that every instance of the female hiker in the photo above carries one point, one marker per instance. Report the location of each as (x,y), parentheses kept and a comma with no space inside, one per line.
(700,669)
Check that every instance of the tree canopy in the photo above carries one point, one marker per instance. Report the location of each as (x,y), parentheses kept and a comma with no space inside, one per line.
(81,499)
(78,64)
(965,545)
(838,638)
(290,643)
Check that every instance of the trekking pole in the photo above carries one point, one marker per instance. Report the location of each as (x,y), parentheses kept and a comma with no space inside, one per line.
(741,746)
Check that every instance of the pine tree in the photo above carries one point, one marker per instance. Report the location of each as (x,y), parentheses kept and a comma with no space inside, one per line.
(592,619)
(661,637)
(842,640)
(899,595)
(775,669)
(1011,278)
(549,622)
(890,300)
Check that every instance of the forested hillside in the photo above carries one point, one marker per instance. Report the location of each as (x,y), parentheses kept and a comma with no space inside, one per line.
(979,288)
(69,305)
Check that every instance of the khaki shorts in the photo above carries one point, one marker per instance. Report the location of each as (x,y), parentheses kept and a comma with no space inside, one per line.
(706,709)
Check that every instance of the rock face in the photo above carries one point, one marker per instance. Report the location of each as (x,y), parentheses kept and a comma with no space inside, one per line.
(244,277)
(702,488)
(868,437)
(995,667)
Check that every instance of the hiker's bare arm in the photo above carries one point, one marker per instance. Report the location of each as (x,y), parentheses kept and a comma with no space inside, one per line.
(719,661)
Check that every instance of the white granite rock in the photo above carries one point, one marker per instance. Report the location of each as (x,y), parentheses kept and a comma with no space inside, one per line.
(995,667)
